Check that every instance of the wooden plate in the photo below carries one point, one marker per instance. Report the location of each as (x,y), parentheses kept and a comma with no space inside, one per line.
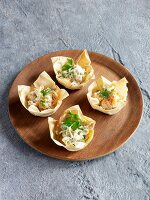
(110,131)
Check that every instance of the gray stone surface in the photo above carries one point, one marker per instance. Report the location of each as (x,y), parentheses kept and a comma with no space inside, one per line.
(31,28)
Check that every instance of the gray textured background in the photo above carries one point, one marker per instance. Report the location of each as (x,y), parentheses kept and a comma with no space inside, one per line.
(117,28)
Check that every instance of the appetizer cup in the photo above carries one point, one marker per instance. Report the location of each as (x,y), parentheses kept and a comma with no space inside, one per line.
(108,97)
(43,98)
(73,130)
(73,74)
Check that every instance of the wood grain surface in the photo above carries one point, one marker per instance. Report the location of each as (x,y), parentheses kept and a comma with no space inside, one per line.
(110,131)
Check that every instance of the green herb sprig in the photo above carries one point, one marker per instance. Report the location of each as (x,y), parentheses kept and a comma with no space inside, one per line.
(46,91)
(73,121)
(68,65)
(105,93)
(43,103)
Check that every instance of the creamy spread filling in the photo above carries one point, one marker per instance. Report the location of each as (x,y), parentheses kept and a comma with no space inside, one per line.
(74,73)
(42,98)
(108,97)
(74,131)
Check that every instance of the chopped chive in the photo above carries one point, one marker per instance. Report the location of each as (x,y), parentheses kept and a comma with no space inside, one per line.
(46,91)
(43,103)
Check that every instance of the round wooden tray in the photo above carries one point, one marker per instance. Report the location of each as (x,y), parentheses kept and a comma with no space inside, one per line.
(110,131)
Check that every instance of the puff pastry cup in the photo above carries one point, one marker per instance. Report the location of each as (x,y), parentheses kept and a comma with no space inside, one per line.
(73,74)
(106,96)
(73,131)
(43,98)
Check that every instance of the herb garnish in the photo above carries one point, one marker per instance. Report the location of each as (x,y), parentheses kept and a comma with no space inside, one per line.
(68,65)
(84,136)
(43,103)
(45,91)
(73,121)
(69,61)
(105,93)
